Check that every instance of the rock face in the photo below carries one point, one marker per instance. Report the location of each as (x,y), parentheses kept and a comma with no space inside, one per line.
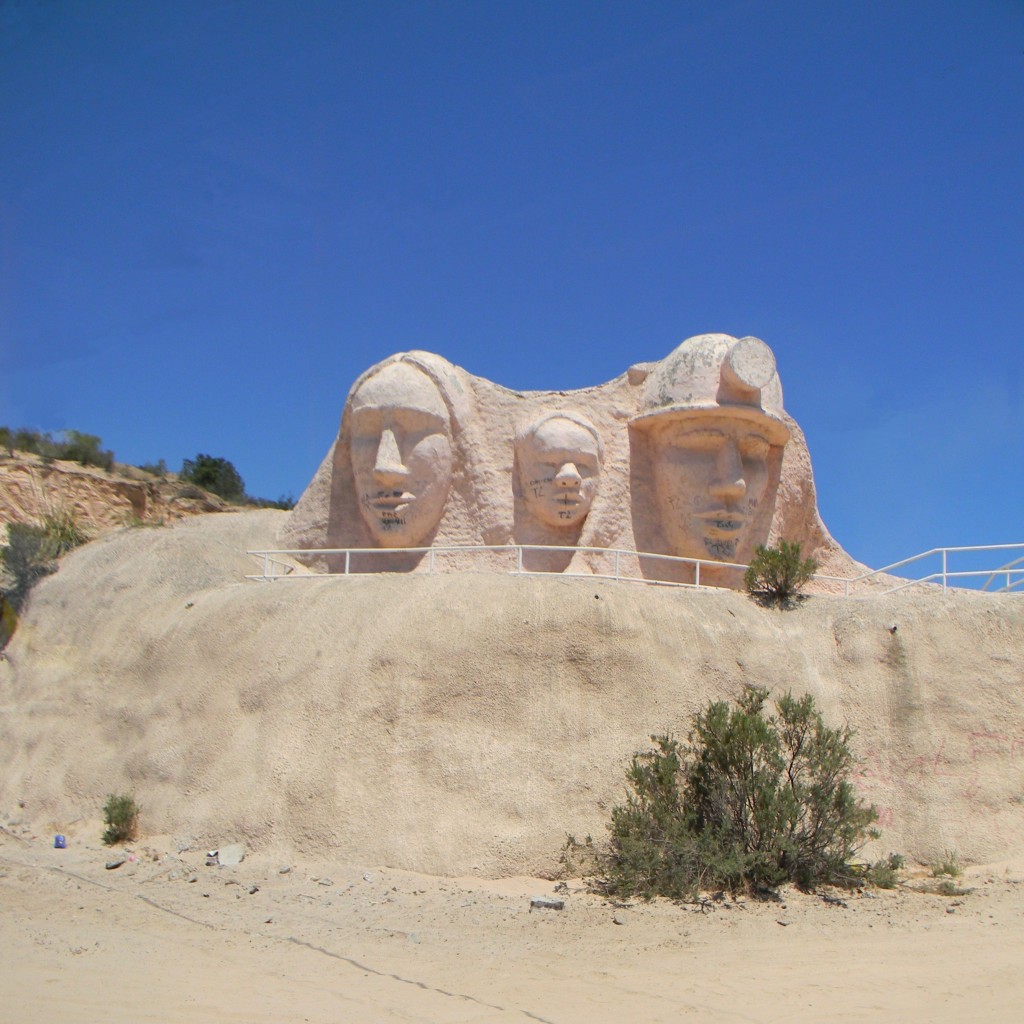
(464,723)
(31,487)
(692,457)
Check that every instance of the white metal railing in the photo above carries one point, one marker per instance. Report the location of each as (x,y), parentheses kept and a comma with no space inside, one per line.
(619,564)
(1005,578)
(626,566)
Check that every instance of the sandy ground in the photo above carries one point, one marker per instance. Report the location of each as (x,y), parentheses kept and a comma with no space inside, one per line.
(166,938)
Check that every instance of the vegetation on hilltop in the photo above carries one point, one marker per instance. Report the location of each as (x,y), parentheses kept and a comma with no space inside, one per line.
(32,549)
(214,474)
(69,445)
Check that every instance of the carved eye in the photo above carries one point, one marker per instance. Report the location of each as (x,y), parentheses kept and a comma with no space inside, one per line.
(417,421)
(366,424)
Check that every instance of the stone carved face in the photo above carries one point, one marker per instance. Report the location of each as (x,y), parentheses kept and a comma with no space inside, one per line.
(402,454)
(710,475)
(559,471)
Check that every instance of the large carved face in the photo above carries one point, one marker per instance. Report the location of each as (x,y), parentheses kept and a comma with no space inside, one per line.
(710,476)
(401,454)
(559,471)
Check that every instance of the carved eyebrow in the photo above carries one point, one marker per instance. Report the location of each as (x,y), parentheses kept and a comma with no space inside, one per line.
(419,415)
(697,434)
(701,432)
(564,455)
(365,416)
(374,417)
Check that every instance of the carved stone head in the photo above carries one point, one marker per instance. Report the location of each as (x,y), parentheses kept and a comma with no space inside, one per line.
(559,458)
(713,414)
(402,456)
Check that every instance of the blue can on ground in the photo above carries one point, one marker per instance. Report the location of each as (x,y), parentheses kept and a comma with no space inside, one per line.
(59,842)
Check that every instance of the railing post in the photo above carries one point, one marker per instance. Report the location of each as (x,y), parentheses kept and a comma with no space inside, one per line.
(519,559)
(430,562)
(696,574)
(266,564)
(944,554)
(348,555)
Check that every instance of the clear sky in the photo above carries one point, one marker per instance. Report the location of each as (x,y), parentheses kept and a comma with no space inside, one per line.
(214,215)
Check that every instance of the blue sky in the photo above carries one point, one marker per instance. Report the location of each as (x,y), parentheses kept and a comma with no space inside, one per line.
(214,215)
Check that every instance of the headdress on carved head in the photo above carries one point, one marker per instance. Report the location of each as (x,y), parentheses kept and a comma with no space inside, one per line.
(715,375)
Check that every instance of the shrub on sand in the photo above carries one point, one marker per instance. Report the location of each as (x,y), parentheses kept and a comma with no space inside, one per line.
(751,801)
(121,816)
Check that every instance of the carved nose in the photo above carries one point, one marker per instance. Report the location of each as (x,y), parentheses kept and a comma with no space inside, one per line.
(729,484)
(568,476)
(389,457)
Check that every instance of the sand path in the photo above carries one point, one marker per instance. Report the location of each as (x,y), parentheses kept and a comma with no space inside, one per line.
(170,939)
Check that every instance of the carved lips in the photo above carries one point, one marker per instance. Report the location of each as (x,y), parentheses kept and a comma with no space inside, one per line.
(723,522)
(392,503)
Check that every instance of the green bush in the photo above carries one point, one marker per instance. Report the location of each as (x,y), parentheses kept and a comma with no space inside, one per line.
(752,801)
(777,575)
(215,475)
(84,449)
(26,560)
(32,550)
(158,468)
(885,873)
(121,816)
(26,440)
(285,502)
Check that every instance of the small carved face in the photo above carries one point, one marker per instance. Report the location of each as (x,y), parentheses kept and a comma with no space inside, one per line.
(710,476)
(559,471)
(401,454)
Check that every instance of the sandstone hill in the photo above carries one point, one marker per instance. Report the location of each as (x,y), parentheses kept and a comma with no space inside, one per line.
(31,487)
(465,723)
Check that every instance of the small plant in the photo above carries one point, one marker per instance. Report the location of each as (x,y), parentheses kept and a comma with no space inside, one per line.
(885,873)
(31,551)
(580,859)
(158,468)
(949,864)
(121,816)
(285,502)
(777,575)
(26,560)
(752,801)
(62,532)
